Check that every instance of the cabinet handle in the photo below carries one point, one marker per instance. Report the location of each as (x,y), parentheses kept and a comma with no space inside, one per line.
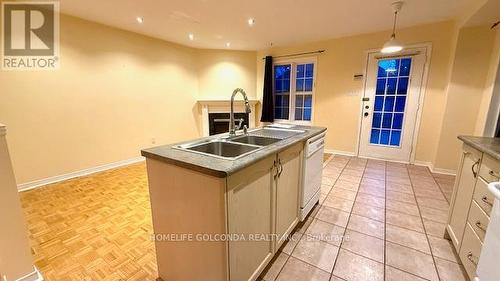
(473,170)
(471,258)
(480,226)
(493,174)
(280,169)
(485,200)
(275,169)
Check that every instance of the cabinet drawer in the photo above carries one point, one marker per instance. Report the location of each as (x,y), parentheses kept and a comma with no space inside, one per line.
(490,169)
(483,196)
(470,251)
(478,220)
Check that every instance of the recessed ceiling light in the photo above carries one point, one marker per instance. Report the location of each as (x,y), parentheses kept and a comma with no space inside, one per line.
(140,19)
(228,44)
(251,21)
(191,36)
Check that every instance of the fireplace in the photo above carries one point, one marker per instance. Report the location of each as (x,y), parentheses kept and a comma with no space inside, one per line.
(219,122)
(215,115)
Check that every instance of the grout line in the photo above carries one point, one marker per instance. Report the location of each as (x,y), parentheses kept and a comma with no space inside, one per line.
(427,238)
(348,220)
(320,205)
(385,217)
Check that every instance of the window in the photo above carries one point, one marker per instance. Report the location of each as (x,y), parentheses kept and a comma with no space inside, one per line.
(293,91)
(390,101)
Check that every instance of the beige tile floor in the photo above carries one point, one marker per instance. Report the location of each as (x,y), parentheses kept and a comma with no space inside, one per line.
(376,221)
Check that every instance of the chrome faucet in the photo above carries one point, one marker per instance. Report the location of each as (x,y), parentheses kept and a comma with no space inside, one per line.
(232,130)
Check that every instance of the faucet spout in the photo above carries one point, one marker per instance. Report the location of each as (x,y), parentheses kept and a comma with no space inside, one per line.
(232,130)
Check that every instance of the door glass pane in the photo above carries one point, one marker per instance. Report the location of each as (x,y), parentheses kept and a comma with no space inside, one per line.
(282,91)
(390,101)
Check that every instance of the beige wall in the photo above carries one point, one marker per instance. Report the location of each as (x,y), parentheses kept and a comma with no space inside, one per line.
(15,254)
(465,92)
(114,92)
(492,83)
(338,96)
(220,72)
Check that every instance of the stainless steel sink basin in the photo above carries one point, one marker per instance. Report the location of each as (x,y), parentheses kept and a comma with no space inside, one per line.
(220,148)
(239,146)
(255,140)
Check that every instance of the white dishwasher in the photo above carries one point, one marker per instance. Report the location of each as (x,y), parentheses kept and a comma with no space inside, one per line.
(312,171)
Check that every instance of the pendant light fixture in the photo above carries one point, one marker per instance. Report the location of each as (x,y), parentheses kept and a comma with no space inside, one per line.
(393,45)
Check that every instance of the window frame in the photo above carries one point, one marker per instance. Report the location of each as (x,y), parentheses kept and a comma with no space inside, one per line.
(293,62)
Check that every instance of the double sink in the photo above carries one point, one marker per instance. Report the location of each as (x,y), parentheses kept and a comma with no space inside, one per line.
(238,146)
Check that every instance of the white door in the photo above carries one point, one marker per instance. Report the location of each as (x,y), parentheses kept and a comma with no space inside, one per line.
(390,106)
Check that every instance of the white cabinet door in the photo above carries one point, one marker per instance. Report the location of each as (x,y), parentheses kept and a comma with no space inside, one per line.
(287,192)
(462,194)
(250,211)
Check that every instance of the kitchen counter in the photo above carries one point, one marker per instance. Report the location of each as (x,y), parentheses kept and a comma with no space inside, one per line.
(222,168)
(490,146)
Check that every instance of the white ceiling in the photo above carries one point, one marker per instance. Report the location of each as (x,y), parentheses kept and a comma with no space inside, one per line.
(281,22)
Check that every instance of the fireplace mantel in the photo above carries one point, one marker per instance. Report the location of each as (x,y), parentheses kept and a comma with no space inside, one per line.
(224,106)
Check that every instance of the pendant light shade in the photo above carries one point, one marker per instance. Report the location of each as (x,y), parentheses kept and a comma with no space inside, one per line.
(393,45)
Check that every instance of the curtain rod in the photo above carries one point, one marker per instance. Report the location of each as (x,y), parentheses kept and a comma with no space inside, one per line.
(402,54)
(299,54)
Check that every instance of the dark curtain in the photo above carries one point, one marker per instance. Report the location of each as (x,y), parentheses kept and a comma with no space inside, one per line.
(267,98)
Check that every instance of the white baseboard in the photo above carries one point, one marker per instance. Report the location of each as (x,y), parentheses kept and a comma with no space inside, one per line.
(340,152)
(434,169)
(89,171)
(35,275)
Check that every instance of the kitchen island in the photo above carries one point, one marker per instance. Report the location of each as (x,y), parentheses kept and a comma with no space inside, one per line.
(222,206)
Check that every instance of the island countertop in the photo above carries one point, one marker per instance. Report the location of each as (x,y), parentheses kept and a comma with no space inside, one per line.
(224,167)
(490,146)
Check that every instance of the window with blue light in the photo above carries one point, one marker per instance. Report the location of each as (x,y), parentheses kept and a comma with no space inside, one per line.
(293,91)
(303,89)
(282,91)
(393,79)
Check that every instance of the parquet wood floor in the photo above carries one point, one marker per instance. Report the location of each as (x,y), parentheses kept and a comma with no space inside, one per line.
(96,227)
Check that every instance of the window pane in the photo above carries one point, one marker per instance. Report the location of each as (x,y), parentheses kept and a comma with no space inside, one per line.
(380,87)
(402,86)
(398,121)
(299,85)
(389,104)
(308,101)
(278,99)
(309,70)
(395,138)
(388,116)
(393,69)
(379,103)
(391,86)
(405,67)
(286,85)
(286,101)
(374,136)
(298,114)
(386,123)
(384,136)
(277,112)
(307,114)
(400,104)
(377,118)
(309,85)
(299,101)
(300,71)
